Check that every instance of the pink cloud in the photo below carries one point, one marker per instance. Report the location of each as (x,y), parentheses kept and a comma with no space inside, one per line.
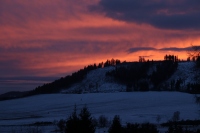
(50,37)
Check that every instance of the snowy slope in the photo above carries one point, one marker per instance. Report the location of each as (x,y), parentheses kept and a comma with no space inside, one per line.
(186,71)
(96,81)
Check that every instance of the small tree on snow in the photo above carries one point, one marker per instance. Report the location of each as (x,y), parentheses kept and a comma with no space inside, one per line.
(158,118)
(176,116)
(116,126)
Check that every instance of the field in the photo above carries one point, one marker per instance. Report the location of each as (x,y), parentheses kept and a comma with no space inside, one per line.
(132,107)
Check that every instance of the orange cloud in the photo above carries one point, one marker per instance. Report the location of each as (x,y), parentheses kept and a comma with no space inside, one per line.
(52,38)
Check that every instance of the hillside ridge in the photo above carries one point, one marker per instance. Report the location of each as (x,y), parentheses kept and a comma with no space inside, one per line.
(97,80)
(105,77)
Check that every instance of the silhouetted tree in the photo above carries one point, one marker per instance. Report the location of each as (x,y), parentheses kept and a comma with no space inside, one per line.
(171,58)
(178,84)
(158,118)
(130,75)
(141,59)
(116,126)
(61,125)
(198,61)
(103,121)
(82,123)
(73,123)
(163,71)
(118,62)
(100,65)
(194,53)
(144,86)
(140,128)
(86,124)
(176,116)
(194,88)
(176,129)
(148,128)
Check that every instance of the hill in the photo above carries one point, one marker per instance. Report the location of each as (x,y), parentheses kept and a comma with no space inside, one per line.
(106,79)
(117,76)
(13,94)
(96,81)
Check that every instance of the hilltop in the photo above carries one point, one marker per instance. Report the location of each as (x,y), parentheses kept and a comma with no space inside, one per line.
(98,80)
(117,76)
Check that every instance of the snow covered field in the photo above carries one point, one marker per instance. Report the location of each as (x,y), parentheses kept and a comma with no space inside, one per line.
(132,107)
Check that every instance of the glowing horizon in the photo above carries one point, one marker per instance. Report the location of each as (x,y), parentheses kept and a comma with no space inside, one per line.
(55,38)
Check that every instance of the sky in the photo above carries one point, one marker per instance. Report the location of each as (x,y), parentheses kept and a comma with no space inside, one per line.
(41,40)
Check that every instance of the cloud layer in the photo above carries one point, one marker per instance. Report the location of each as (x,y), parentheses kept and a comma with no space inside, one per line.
(174,49)
(164,14)
(47,38)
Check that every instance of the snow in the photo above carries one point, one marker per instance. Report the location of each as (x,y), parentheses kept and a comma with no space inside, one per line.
(97,81)
(132,107)
(186,71)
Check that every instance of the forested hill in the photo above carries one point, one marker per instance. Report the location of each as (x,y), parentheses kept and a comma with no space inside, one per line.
(114,75)
(62,83)
(141,76)
(68,81)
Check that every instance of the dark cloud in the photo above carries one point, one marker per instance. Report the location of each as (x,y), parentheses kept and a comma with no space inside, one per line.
(181,14)
(137,49)
(175,49)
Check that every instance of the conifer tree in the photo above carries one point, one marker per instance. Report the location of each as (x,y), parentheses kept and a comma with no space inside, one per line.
(116,126)
(73,123)
(86,124)
(81,123)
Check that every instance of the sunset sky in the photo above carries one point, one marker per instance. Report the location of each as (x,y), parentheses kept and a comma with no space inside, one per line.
(41,40)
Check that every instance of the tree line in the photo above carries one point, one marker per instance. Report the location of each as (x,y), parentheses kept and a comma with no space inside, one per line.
(135,75)
(85,123)
(65,82)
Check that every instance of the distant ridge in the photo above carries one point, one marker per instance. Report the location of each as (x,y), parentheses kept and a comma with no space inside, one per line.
(13,95)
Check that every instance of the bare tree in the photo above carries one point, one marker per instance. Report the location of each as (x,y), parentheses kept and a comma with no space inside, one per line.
(142,59)
(194,51)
